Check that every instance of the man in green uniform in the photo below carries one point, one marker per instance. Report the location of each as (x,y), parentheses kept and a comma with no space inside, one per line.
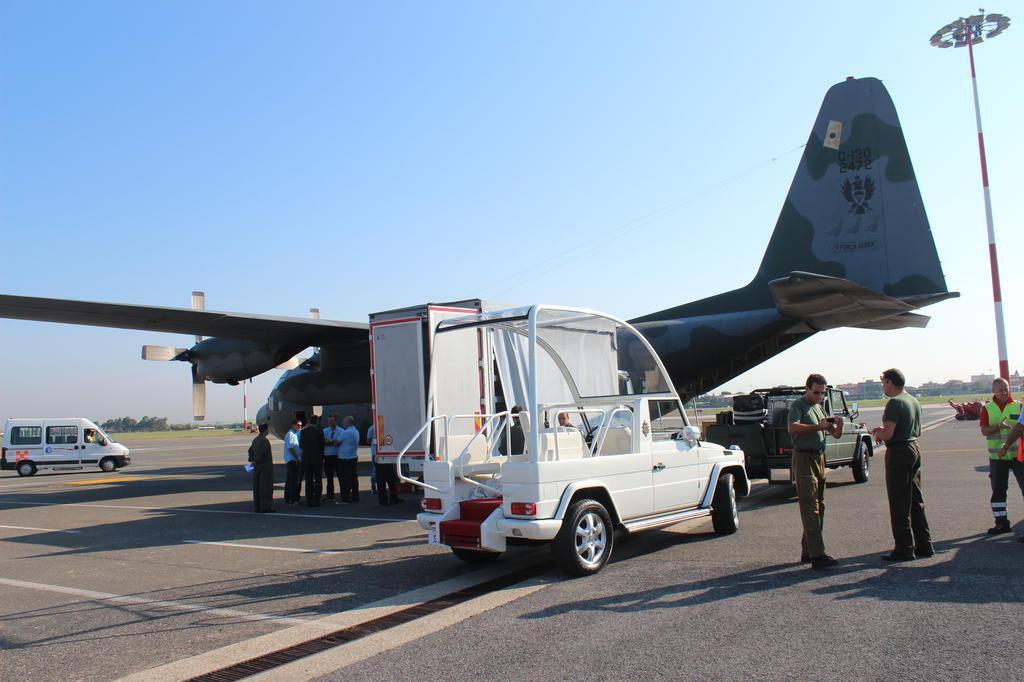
(901,426)
(262,461)
(807,427)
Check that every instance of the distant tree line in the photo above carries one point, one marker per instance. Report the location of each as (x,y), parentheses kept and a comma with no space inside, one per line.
(132,425)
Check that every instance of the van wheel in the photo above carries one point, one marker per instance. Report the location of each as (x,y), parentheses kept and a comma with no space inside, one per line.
(861,466)
(584,542)
(475,557)
(725,515)
(26,469)
(108,465)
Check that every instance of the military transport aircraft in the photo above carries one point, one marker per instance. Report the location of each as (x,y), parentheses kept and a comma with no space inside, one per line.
(851,248)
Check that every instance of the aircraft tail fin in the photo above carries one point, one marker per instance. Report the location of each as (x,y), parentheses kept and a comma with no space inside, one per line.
(854,209)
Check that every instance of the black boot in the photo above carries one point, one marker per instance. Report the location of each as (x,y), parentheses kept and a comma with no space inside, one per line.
(1002,526)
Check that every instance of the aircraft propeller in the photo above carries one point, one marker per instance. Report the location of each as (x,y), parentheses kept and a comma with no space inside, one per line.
(167,353)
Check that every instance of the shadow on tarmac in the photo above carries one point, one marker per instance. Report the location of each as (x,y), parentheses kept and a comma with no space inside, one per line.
(169,523)
(967,570)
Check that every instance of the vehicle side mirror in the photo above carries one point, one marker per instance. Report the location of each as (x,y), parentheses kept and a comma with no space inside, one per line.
(103,441)
(854,411)
(691,434)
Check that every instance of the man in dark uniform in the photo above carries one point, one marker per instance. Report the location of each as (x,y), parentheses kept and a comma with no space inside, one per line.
(901,426)
(262,460)
(807,427)
(311,442)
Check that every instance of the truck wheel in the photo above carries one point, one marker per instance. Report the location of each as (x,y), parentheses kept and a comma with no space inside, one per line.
(108,465)
(26,469)
(861,465)
(725,515)
(472,556)
(584,543)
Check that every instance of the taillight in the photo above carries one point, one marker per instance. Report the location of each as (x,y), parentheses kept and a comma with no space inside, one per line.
(3,453)
(431,503)
(785,451)
(524,509)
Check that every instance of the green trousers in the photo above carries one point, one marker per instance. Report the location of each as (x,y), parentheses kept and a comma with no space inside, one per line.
(910,530)
(809,473)
(263,487)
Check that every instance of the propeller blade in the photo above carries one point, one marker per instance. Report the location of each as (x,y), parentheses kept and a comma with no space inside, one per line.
(198,396)
(291,363)
(198,303)
(161,353)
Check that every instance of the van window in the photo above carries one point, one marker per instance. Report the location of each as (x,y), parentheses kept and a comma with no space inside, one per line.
(27,435)
(61,435)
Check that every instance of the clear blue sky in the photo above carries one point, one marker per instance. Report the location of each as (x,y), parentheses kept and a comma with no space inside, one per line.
(363,156)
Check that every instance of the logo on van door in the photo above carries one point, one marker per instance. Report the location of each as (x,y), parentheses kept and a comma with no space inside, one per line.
(48,450)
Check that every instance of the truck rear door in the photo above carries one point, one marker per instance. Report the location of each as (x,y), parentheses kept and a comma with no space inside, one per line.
(398,383)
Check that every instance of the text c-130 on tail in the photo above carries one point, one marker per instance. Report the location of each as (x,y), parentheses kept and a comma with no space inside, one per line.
(852,248)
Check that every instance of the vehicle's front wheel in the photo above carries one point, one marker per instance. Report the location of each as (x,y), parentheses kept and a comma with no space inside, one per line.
(584,543)
(861,465)
(108,465)
(26,469)
(471,556)
(725,514)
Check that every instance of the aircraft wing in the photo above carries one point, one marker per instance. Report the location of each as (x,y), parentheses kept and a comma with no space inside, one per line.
(264,328)
(822,302)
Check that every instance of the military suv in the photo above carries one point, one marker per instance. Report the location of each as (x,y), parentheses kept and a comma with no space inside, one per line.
(758,425)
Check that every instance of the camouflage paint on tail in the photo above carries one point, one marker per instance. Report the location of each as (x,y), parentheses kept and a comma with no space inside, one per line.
(852,247)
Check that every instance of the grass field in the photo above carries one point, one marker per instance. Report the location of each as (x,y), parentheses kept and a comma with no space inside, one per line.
(933,399)
(163,435)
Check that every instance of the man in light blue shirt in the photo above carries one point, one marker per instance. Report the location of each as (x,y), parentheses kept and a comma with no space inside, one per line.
(293,462)
(348,457)
(332,439)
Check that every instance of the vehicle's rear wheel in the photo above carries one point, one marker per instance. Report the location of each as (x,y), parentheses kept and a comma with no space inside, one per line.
(26,469)
(725,514)
(584,543)
(861,465)
(472,556)
(108,464)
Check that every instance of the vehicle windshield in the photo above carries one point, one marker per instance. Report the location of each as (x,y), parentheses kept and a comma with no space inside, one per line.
(580,355)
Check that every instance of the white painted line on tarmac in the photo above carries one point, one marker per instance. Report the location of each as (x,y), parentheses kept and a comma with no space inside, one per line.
(299,550)
(206,511)
(361,649)
(264,644)
(152,603)
(44,530)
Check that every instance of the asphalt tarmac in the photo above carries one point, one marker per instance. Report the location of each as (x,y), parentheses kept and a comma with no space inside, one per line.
(162,571)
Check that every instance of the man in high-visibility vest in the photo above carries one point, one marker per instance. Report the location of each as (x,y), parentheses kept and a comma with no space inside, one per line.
(1000,424)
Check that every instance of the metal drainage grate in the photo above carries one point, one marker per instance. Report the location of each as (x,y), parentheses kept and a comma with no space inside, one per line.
(295,652)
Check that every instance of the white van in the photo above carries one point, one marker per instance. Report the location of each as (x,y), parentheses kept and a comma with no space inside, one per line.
(64,444)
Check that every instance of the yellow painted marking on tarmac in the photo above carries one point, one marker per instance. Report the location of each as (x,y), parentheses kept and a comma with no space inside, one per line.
(119,479)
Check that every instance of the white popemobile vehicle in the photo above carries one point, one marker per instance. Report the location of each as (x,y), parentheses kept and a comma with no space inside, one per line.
(59,444)
(600,441)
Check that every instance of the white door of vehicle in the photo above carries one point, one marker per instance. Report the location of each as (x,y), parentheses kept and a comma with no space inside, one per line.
(675,463)
(622,464)
(94,446)
(61,445)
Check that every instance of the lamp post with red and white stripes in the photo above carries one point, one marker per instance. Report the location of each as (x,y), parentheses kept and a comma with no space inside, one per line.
(968,32)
